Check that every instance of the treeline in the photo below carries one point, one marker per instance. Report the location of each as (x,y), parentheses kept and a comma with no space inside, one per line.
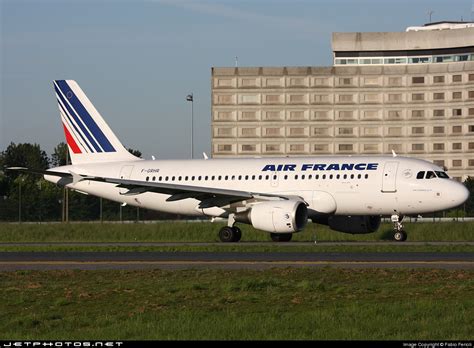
(31,198)
(28,197)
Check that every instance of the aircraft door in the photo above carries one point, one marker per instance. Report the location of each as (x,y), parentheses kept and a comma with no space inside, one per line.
(275,177)
(125,173)
(389,179)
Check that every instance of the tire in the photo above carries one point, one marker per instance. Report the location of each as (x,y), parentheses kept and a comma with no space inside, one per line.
(237,234)
(281,237)
(227,234)
(400,236)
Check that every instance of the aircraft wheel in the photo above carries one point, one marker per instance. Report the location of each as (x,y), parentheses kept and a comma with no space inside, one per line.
(237,234)
(281,237)
(400,236)
(227,234)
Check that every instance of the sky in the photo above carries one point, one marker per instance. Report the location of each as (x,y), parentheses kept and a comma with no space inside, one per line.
(137,60)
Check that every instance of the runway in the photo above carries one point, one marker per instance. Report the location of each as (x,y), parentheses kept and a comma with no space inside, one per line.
(12,261)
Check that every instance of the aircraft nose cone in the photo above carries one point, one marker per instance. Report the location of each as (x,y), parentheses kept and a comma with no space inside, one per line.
(458,193)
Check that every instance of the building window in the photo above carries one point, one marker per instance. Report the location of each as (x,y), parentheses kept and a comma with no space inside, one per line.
(345,115)
(457,78)
(249,148)
(418,96)
(320,81)
(470,146)
(345,81)
(297,148)
(417,130)
(395,147)
(297,98)
(371,131)
(457,129)
(224,99)
(249,132)
(394,81)
(345,147)
(394,131)
(346,98)
(470,163)
(224,148)
(322,147)
(321,115)
(438,113)
(225,116)
(438,96)
(273,98)
(249,115)
(438,79)
(272,115)
(321,98)
(418,79)
(417,113)
(225,132)
(438,147)
(438,130)
(273,131)
(457,163)
(457,112)
(297,115)
(297,131)
(249,83)
(392,97)
(418,147)
(471,129)
(371,147)
(457,146)
(272,148)
(457,95)
(470,94)
(321,131)
(394,114)
(471,77)
(346,131)
(470,112)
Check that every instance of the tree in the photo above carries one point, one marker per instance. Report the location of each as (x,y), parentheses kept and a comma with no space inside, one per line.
(58,158)
(470,202)
(137,153)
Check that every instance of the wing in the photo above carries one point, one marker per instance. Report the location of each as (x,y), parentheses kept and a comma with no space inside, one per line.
(209,196)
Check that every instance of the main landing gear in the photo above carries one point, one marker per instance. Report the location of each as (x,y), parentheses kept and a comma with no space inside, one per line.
(228,234)
(399,233)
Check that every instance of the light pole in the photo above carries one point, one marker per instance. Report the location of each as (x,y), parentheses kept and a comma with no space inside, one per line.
(19,200)
(190,98)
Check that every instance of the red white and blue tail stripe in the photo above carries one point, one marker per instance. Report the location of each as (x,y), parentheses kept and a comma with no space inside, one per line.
(88,137)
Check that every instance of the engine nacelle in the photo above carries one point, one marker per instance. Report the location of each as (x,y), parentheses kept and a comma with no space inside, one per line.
(351,224)
(276,216)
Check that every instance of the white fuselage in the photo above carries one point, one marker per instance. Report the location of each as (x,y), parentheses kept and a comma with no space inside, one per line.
(362,185)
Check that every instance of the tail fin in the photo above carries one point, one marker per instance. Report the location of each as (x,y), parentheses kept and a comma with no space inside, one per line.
(88,137)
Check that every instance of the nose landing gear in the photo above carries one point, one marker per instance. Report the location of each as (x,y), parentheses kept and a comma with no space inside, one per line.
(399,233)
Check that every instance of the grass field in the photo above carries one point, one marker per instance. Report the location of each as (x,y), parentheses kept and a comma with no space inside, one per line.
(174,231)
(217,304)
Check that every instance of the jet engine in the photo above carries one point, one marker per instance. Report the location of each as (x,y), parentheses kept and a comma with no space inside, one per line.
(356,224)
(276,216)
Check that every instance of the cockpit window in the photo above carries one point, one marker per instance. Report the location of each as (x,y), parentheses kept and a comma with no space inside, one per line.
(420,175)
(430,175)
(442,175)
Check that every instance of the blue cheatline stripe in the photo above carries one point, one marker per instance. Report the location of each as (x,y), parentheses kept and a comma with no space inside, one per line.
(84,115)
(78,121)
(73,129)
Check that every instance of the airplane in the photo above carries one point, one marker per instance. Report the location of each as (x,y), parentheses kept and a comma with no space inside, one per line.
(277,195)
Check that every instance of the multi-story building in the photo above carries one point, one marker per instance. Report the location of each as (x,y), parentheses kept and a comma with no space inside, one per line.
(411,92)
